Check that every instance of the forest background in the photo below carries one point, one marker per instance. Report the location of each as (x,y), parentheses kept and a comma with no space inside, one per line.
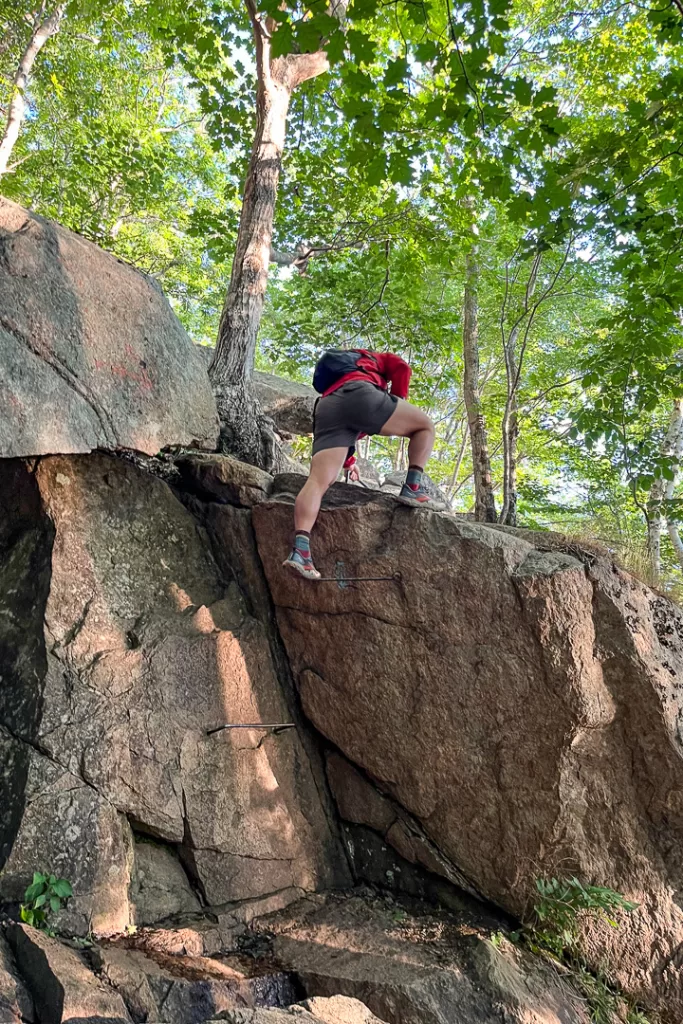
(493,190)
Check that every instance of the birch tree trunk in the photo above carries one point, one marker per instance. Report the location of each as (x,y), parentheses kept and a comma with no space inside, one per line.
(484,501)
(44,28)
(245,430)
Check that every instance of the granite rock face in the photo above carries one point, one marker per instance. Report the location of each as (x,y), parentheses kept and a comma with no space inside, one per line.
(522,706)
(122,645)
(92,355)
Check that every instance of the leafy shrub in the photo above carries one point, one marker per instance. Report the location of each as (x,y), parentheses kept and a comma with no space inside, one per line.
(46,895)
(562,904)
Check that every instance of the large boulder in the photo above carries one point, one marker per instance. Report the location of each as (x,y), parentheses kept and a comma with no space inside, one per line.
(523,706)
(121,645)
(92,355)
(288,403)
(223,479)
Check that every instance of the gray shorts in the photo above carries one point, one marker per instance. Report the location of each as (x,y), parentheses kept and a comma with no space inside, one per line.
(355,408)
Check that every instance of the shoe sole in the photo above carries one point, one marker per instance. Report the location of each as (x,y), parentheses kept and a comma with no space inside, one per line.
(433,506)
(304,573)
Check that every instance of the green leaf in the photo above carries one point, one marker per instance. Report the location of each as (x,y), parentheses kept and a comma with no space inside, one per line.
(34,891)
(335,47)
(497,44)
(55,904)
(359,10)
(396,71)
(400,170)
(426,52)
(545,95)
(307,36)
(63,888)
(283,40)
(523,91)
(40,900)
(362,47)
(417,14)
(375,171)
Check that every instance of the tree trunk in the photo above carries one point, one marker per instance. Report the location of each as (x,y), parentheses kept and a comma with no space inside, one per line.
(676,435)
(510,424)
(44,29)
(245,430)
(485,502)
(654,530)
(456,468)
(511,439)
(671,446)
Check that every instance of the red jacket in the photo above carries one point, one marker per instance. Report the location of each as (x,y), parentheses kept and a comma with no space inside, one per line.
(381,369)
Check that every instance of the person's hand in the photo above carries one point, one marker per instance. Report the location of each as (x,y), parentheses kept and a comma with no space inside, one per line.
(354,475)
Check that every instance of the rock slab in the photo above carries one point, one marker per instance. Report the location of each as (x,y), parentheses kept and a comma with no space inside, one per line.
(92,354)
(335,1010)
(63,988)
(122,647)
(16,1004)
(523,705)
(187,989)
(412,964)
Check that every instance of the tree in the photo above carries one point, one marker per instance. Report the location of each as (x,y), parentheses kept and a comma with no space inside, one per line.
(44,24)
(677,453)
(485,503)
(244,429)
(662,491)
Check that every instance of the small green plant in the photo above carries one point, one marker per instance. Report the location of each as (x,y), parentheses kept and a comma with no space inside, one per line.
(46,895)
(636,1016)
(603,1001)
(562,904)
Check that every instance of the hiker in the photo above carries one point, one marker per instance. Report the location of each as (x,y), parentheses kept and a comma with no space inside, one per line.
(356,402)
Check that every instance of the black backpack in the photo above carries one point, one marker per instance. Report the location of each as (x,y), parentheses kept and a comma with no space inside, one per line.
(333,365)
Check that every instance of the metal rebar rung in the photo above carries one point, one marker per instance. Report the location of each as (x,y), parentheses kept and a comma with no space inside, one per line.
(397,577)
(253,725)
(342,580)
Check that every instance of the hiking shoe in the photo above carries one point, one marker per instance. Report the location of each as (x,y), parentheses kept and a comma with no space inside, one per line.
(303,566)
(418,498)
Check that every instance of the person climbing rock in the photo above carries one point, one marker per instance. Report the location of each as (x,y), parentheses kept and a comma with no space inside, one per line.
(356,401)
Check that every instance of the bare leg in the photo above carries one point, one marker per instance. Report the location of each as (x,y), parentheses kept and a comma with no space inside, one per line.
(325,466)
(409,421)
